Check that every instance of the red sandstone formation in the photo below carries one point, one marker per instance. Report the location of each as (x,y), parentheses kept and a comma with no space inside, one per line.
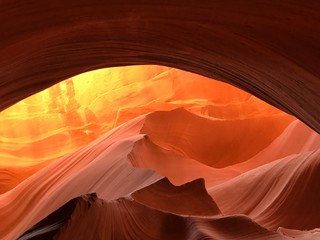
(127,219)
(191,135)
(282,193)
(154,152)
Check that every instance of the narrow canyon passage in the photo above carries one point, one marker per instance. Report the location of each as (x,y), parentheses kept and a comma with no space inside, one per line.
(162,119)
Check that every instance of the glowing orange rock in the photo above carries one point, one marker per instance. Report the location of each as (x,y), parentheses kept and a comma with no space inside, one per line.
(72,113)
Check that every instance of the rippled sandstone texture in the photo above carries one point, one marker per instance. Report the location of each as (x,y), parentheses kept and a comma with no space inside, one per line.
(260,166)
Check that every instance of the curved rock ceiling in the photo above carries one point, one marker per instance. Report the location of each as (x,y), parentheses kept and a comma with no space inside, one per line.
(268,48)
(154,152)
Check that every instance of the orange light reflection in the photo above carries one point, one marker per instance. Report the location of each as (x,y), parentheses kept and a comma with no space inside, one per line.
(74,112)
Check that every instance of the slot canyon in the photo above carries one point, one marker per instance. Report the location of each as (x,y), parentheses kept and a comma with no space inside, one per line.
(180,119)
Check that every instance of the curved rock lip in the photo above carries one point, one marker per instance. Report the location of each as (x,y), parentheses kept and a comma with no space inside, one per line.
(48,227)
(189,199)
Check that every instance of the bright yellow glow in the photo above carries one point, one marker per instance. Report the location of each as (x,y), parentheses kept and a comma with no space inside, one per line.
(70,114)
